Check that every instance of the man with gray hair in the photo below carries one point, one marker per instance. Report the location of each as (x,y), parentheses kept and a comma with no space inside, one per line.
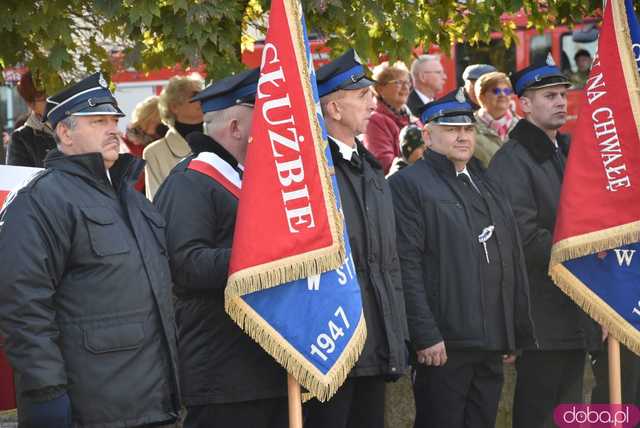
(85,287)
(429,78)
(227,379)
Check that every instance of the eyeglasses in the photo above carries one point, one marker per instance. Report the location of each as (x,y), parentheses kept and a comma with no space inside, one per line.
(502,91)
(400,82)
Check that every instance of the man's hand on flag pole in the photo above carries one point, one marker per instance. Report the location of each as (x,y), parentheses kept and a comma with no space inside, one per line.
(435,355)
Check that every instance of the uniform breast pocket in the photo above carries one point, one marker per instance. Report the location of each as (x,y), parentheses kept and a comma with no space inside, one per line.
(451,209)
(158,227)
(105,233)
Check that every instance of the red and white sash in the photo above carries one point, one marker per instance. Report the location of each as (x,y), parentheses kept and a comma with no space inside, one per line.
(212,165)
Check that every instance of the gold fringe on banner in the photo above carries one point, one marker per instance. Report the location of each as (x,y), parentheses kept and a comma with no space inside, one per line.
(318,261)
(281,271)
(594,242)
(322,386)
(597,308)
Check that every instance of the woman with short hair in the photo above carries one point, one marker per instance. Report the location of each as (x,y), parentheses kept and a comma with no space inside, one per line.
(392,87)
(494,119)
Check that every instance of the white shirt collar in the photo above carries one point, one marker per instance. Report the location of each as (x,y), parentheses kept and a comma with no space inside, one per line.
(464,171)
(109,176)
(345,150)
(425,99)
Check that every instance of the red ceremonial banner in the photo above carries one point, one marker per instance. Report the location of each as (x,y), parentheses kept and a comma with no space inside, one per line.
(600,208)
(287,226)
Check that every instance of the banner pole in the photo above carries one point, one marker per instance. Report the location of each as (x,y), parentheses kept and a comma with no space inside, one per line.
(615,386)
(295,403)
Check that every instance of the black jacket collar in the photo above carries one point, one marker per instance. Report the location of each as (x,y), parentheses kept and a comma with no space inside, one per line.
(199,142)
(446,167)
(537,142)
(362,152)
(90,166)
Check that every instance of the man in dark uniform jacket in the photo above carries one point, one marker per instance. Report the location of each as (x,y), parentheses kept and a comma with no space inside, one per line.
(530,167)
(227,379)
(463,273)
(85,286)
(347,103)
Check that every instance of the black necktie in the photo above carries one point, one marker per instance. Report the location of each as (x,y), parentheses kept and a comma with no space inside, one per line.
(356,162)
(467,181)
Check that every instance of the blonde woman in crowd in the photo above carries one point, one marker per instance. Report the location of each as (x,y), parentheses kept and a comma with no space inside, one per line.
(182,117)
(494,118)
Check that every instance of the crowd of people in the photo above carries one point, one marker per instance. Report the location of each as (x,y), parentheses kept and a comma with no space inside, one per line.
(113,274)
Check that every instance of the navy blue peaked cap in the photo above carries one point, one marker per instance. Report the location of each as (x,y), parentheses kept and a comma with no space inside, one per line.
(474,71)
(452,109)
(240,88)
(537,76)
(344,72)
(89,97)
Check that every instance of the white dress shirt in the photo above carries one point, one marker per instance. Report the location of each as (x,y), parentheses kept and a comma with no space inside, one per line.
(345,150)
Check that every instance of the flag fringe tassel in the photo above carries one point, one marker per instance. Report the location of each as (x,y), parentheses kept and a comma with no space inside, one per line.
(322,387)
(590,243)
(597,309)
(285,270)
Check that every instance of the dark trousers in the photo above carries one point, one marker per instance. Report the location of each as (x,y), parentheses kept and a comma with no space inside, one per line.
(463,393)
(267,413)
(358,403)
(630,368)
(546,379)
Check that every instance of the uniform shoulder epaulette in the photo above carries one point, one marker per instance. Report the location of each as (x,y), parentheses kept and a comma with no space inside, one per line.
(36,177)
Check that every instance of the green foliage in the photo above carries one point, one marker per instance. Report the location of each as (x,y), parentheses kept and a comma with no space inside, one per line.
(63,39)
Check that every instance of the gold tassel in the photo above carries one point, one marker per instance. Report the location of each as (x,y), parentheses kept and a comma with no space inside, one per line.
(321,386)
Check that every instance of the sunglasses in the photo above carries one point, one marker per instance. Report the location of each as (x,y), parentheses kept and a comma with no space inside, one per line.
(502,91)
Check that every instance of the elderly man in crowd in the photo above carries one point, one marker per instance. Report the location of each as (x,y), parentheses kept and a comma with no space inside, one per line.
(470,76)
(429,78)
(85,285)
(347,104)
(463,273)
(227,379)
